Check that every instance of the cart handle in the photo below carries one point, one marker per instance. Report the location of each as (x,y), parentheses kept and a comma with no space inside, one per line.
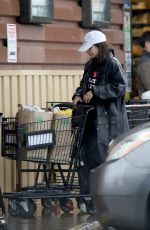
(59,104)
(138,106)
(68,105)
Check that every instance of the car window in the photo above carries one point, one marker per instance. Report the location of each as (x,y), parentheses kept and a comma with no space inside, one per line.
(129,143)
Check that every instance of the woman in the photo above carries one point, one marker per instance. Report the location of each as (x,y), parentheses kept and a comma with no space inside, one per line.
(103,87)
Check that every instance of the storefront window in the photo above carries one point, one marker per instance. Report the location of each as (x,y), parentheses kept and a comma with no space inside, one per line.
(40,8)
(36,11)
(95,13)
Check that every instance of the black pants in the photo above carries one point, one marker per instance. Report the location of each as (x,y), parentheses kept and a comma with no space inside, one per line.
(90,156)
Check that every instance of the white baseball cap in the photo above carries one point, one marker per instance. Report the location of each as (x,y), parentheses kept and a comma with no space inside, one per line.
(92,38)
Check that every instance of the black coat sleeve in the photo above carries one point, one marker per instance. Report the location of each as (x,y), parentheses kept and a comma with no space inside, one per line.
(115,86)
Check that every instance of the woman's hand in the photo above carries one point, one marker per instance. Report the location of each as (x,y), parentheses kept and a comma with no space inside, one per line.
(88,96)
(76,100)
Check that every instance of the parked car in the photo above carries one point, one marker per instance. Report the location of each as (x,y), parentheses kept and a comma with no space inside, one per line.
(121,186)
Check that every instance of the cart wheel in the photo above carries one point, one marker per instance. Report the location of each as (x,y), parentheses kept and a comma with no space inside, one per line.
(3,225)
(46,202)
(28,208)
(66,205)
(14,207)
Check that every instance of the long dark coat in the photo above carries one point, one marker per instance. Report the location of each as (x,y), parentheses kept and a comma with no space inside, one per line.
(109,93)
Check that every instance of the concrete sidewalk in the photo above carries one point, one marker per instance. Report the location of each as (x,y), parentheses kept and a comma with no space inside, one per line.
(52,219)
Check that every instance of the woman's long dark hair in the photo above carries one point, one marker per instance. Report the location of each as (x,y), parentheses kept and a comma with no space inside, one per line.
(104,50)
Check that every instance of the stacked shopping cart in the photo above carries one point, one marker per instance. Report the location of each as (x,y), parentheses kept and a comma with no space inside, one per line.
(138,112)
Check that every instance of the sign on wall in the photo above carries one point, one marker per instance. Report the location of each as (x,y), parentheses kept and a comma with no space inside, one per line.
(127,30)
(11,43)
(127,4)
(127,44)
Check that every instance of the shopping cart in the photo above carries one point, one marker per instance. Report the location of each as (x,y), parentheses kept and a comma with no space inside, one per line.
(55,145)
(3,224)
(138,114)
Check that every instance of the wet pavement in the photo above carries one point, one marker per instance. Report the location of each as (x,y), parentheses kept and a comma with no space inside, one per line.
(49,219)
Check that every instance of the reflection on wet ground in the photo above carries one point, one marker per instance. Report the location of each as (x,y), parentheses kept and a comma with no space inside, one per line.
(48,219)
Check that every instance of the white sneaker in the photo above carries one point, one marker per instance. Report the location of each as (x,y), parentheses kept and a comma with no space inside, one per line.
(83,207)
